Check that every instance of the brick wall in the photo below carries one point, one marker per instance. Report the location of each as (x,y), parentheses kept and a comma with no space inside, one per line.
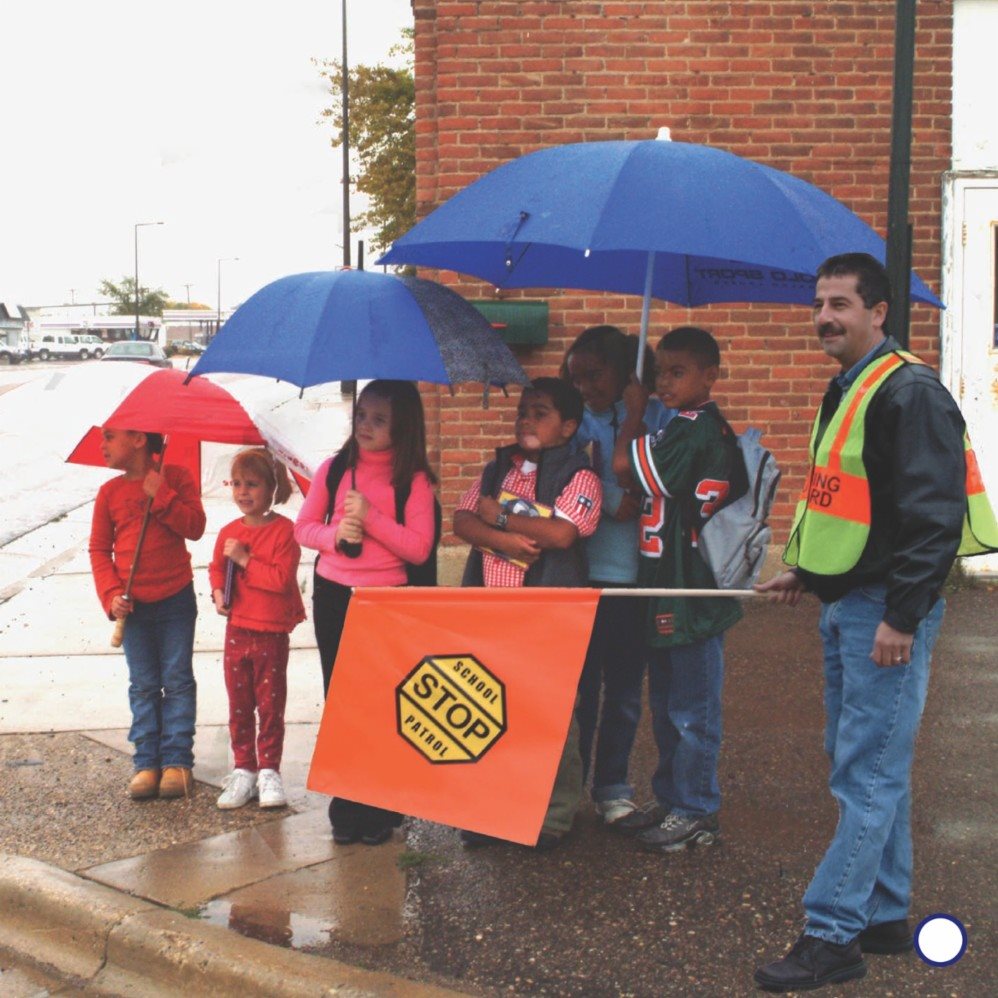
(801,86)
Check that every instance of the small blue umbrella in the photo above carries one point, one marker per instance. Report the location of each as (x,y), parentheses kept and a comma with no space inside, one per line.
(345,325)
(684,223)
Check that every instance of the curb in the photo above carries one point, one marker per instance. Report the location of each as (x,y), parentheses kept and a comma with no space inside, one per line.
(116,944)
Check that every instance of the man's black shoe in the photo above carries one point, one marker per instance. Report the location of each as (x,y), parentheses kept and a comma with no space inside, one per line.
(812,963)
(887,937)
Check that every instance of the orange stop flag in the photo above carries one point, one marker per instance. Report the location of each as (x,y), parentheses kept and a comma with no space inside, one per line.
(453,704)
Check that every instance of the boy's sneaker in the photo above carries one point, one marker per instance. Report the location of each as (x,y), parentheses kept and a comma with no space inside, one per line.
(177,781)
(271,789)
(678,831)
(611,811)
(238,789)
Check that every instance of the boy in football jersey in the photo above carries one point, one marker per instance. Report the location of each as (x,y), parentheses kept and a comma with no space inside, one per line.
(686,471)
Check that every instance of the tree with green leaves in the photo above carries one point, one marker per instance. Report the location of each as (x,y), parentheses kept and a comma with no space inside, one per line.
(151,300)
(383,135)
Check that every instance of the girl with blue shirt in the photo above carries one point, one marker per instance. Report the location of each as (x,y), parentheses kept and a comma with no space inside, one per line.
(599,363)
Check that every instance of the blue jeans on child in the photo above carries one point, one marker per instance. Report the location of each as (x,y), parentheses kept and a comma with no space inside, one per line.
(872,718)
(159,647)
(684,696)
(615,665)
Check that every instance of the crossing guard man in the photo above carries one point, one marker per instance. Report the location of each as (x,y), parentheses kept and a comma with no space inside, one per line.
(892,496)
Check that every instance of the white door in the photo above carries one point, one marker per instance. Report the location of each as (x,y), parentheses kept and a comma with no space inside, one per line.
(970,327)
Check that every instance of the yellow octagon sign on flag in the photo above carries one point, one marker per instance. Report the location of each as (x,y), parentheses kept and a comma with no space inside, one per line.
(450,708)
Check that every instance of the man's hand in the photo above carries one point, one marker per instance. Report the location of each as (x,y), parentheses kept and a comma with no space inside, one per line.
(783,588)
(891,647)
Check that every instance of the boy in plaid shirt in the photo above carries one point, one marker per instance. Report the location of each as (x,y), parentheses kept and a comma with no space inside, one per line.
(526,517)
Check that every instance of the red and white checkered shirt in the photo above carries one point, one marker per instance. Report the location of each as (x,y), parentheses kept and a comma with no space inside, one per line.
(579,502)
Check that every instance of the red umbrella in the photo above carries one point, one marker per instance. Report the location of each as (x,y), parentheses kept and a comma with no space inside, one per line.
(155,400)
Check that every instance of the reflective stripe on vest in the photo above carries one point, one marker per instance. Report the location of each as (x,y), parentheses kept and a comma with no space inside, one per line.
(832,521)
(980,531)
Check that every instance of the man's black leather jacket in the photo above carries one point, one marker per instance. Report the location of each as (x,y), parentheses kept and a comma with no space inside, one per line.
(913,453)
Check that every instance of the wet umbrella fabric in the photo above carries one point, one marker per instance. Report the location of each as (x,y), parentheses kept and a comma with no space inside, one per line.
(158,401)
(312,328)
(683,223)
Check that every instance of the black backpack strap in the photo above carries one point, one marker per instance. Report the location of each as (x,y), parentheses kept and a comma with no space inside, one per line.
(425,574)
(334,475)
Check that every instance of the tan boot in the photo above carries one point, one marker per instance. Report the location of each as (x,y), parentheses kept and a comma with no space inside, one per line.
(177,781)
(144,784)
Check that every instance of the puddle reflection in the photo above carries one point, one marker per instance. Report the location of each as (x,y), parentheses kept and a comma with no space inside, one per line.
(270,925)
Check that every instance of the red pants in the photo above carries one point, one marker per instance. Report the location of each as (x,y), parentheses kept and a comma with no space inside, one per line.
(256,678)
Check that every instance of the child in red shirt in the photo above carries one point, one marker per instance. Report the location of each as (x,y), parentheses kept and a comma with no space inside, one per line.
(160,611)
(254,582)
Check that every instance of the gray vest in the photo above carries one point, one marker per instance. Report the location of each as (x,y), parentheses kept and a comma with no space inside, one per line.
(555,469)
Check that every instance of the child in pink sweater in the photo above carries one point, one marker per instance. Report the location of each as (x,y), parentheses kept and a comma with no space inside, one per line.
(360,542)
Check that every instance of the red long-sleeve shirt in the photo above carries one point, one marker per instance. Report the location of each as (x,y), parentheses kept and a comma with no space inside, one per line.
(265,594)
(164,566)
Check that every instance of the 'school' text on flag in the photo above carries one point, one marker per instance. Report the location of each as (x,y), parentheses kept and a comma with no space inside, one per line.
(453,704)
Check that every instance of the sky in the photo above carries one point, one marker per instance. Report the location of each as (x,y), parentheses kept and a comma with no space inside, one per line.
(202,115)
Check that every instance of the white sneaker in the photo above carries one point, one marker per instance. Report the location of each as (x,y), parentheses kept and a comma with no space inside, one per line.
(271,789)
(613,810)
(238,789)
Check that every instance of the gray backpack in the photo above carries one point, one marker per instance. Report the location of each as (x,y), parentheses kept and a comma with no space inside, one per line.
(734,541)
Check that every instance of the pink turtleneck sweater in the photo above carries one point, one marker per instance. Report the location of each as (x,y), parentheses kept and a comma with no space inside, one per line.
(387,545)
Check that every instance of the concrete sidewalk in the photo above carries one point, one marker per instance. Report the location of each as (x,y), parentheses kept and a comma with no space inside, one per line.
(163,897)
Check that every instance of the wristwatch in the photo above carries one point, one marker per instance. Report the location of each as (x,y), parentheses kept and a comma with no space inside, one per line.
(501,520)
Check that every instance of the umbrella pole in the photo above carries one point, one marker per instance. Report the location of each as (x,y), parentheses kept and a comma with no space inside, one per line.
(645,313)
(119,627)
(352,549)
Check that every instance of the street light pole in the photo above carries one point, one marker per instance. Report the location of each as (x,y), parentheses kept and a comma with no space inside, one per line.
(138,225)
(345,142)
(220,261)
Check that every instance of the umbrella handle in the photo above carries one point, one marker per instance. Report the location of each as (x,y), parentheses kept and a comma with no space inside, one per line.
(119,633)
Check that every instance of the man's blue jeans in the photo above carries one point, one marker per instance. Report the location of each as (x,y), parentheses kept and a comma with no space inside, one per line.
(615,665)
(872,718)
(159,648)
(684,695)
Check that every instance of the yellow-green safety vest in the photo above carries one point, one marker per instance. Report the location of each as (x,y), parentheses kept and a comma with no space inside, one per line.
(832,522)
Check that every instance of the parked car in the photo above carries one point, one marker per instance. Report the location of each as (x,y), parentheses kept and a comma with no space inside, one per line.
(14,346)
(137,350)
(63,346)
(96,344)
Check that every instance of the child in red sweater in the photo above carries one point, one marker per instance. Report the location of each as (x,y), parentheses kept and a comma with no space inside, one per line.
(254,582)
(161,611)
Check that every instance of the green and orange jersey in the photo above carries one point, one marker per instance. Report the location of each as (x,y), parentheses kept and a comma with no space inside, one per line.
(686,471)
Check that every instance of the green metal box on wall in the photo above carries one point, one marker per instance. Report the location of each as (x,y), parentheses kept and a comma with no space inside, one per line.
(519,322)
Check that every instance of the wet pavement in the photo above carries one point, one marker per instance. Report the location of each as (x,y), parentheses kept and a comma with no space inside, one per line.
(595,917)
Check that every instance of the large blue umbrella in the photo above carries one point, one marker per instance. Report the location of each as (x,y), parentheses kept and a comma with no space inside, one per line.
(307,329)
(684,223)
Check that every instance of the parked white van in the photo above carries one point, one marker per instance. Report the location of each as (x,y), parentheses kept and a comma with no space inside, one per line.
(61,346)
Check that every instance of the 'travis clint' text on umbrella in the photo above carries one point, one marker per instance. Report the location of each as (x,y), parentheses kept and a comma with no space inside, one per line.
(683,223)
